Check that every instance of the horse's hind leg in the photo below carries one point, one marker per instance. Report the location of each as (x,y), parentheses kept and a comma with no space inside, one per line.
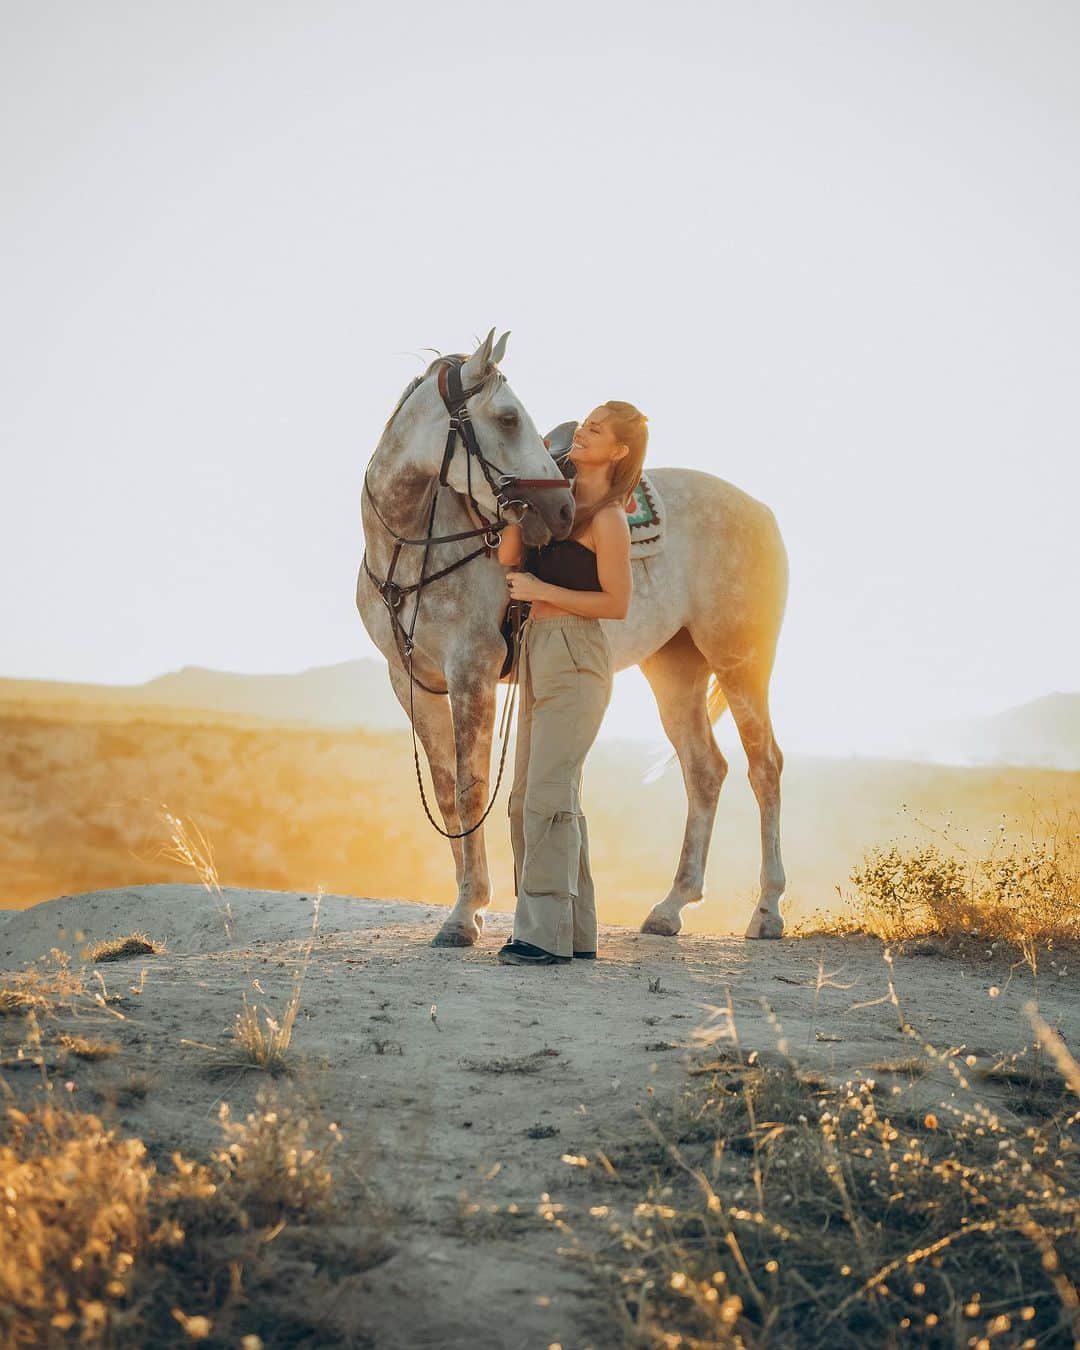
(747,693)
(679,675)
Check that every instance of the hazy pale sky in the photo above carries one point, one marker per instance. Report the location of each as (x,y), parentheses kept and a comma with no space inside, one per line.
(831,251)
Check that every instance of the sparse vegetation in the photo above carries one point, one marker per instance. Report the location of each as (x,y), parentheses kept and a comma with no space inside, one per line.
(1018,901)
(774,1208)
(45,986)
(99,1245)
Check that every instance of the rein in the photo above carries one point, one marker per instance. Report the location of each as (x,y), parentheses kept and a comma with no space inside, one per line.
(393,593)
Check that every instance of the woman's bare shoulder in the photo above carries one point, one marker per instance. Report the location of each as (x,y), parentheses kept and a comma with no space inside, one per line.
(612,519)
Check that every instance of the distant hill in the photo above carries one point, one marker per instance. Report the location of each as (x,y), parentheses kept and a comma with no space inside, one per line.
(357,695)
(1044,733)
(349,694)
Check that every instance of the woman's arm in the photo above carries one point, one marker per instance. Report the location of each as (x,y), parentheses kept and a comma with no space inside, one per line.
(611,531)
(511,551)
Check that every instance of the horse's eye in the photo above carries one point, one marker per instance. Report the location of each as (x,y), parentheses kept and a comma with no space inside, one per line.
(509,419)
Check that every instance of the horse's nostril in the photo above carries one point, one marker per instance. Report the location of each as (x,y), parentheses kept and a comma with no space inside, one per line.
(566,514)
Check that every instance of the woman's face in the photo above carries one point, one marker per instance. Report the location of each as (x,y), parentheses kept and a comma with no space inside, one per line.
(594,440)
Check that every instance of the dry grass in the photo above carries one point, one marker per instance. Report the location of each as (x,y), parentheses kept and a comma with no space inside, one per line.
(117,949)
(189,845)
(18,1002)
(773,1208)
(263,1044)
(270,1167)
(1016,902)
(99,1246)
(88,1048)
(268,1047)
(49,992)
(45,986)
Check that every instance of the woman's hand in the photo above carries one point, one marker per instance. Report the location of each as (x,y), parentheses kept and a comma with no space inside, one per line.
(524,586)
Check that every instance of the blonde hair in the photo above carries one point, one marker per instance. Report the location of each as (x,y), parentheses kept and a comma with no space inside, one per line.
(630,427)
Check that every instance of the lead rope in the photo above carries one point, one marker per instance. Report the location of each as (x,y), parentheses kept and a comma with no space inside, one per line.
(504,735)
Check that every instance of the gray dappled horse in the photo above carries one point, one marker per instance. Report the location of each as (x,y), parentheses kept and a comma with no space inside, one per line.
(709,604)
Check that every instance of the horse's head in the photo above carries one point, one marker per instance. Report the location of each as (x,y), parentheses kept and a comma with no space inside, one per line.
(508,439)
(502,433)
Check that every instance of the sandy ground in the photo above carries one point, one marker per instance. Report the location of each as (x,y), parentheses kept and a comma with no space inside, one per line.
(417,1093)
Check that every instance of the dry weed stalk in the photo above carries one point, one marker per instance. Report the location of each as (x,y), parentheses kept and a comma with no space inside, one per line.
(191,846)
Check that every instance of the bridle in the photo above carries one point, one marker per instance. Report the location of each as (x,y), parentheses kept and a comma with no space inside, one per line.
(502,485)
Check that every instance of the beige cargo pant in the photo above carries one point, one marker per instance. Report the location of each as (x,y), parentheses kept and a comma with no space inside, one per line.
(564,685)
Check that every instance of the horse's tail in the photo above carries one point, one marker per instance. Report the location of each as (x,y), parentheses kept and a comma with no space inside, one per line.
(715,702)
(715,707)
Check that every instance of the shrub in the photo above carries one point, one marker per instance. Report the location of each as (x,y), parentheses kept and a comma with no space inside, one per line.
(1028,896)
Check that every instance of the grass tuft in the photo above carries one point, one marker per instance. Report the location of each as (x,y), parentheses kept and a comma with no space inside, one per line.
(268,1047)
(116,949)
(86,1048)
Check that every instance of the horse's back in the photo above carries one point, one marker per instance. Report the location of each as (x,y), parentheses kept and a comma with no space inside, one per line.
(708,518)
(723,556)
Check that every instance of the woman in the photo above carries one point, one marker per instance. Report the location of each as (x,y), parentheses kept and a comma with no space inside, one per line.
(564,685)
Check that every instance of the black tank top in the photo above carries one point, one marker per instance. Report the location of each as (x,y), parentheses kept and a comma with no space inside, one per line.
(564,562)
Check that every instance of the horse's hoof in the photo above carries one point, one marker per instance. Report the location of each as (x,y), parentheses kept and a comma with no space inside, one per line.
(457,936)
(661,925)
(765,924)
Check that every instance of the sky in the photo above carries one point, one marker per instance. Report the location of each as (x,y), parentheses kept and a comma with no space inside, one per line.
(830,250)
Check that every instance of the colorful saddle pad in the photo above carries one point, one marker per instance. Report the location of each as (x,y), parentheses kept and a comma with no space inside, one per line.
(648,521)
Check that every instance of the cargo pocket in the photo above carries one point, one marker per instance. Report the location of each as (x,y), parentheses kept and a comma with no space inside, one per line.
(552,840)
(588,648)
(575,659)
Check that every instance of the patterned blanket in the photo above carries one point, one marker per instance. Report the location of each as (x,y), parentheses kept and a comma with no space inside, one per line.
(648,522)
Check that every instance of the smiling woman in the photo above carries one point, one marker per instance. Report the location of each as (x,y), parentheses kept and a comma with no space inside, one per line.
(608,452)
(565,680)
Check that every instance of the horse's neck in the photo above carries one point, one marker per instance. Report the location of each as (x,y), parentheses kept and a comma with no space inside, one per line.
(453,514)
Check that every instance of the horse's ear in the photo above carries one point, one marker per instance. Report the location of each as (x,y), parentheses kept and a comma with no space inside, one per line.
(474,369)
(500,349)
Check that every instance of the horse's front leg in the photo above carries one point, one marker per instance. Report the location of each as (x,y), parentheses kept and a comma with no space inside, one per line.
(435,730)
(472,703)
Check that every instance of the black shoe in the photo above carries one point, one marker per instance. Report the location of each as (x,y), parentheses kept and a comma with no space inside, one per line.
(525,954)
(585,956)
